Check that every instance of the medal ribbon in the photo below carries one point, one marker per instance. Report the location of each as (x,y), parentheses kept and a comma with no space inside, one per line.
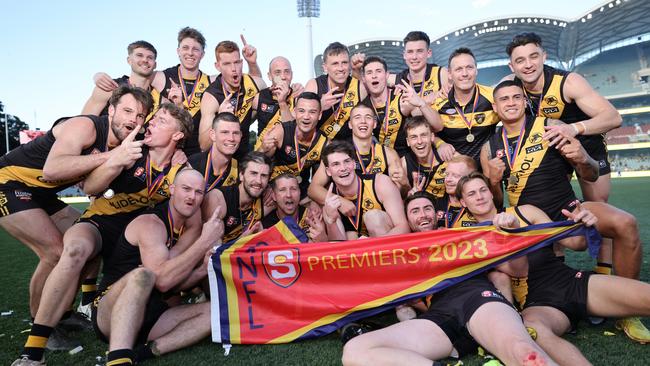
(512,157)
(170,223)
(153,183)
(365,169)
(384,122)
(455,219)
(250,217)
(208,173)
(225,94)
(429,176)
(355,219)
(462,115)
(188,100)
(530,103)
(300,161)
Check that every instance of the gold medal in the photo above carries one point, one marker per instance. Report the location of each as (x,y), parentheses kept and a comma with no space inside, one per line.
(469,137)
(512,180)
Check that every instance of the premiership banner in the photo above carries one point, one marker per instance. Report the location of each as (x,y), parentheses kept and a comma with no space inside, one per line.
(273,287)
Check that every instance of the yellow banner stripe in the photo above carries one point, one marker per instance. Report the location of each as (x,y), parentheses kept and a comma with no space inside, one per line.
(231,292)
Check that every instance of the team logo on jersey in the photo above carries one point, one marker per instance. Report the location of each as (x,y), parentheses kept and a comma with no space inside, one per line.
(450,111)
(491,294)
(535,138)
(282,266)
(479,118)
(313,155)
(267,108)
(551,100)
(578,275)
(138,172)
(534,148)
(393,122)
(350,95)
(368,204)
(250,92)
(429,84)
(288,149)
(22,195)
(440,215)
(500,153)
(392,113)
(3,199)
(232,220)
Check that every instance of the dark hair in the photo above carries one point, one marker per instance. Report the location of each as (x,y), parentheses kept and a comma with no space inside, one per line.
(188,32)
(254,157)
(285,175)
(505,84)
(309,96)
(225,47)
(333,49)
(523,39)
(141,95)
(471,176)
(336,146)
(371,59)
(417,36)
(419,194)
(458,52)
(183,119)
(416,121)
(226,117)
(141,44)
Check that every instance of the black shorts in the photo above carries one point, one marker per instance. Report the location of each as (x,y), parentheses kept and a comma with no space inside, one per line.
(155,308)
(16,197)
(596,147)
(110,229)
(452,308)
(562,288)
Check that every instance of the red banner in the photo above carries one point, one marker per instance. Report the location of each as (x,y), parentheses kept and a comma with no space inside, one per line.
(273,288)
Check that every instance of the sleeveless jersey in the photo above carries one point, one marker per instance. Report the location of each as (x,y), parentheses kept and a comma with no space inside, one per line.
(268,114)
(272,219)
(242,103)
(554,105)
(25,163)
(203,163)
(193,90)
(285,158)
(478,111)
(372,163)
(539,172)
(237,221)
(135,189)
(126,256)
(451,216)
(365,200)
(430,84)
(433,173)
(334,121)
(390,128)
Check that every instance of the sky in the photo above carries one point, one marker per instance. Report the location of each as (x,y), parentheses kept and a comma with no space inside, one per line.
(49,50)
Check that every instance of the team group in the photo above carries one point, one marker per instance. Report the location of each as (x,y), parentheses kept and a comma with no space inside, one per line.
(169,162)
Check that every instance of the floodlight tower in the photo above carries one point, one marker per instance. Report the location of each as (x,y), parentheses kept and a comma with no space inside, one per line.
(309,9)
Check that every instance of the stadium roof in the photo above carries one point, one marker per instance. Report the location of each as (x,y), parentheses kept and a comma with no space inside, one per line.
(568,42)
(564,40)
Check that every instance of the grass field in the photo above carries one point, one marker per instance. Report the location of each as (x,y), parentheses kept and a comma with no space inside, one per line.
(18,262)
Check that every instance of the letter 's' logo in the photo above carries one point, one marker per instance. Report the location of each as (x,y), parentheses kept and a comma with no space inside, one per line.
(282,266)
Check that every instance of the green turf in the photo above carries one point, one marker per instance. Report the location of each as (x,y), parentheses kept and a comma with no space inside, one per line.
(18,262)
